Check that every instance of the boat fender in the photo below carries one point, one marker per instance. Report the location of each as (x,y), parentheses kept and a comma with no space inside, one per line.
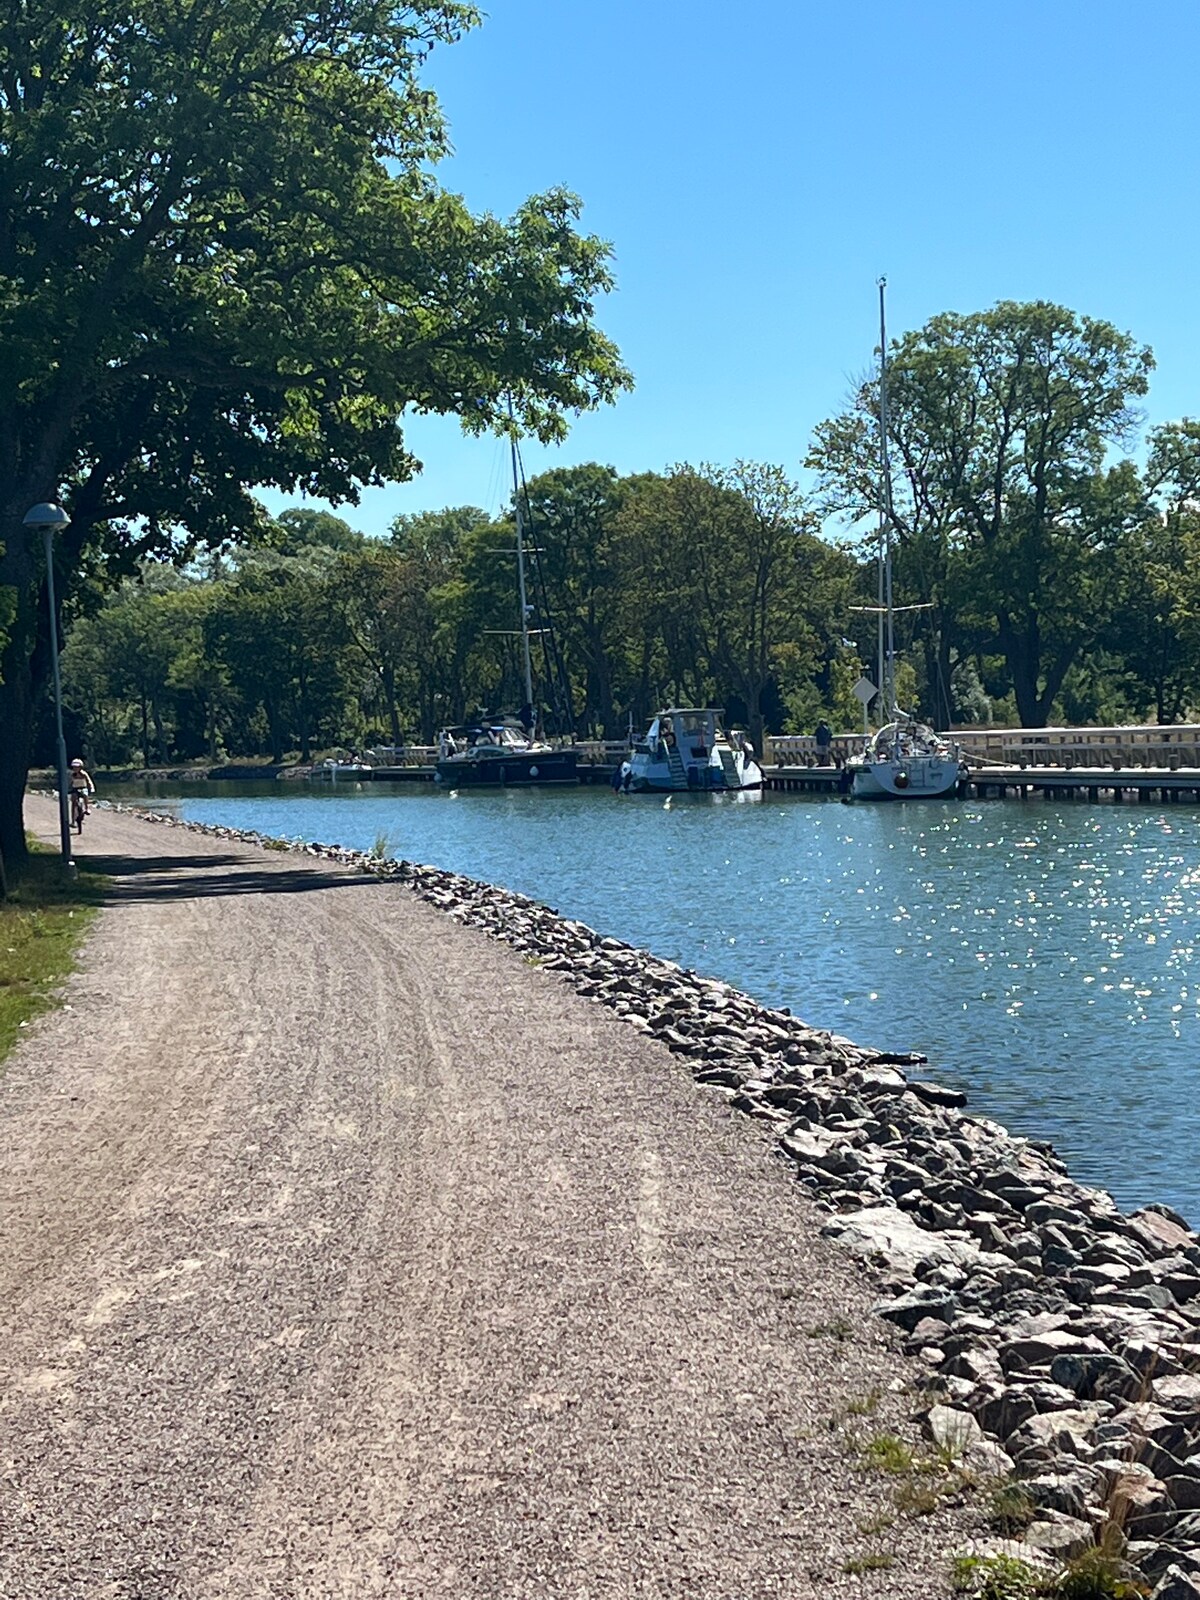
(901,780)
(533,772)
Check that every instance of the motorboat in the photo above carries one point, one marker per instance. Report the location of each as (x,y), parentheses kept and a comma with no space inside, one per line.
(904,759)
(685,749)
(499,753)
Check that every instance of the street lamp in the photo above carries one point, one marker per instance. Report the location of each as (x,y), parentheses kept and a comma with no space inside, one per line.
(51,519)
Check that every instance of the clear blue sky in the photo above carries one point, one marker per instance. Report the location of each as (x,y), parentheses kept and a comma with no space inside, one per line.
(757,170)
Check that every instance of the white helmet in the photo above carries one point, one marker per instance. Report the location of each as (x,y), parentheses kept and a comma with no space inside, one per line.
(77,763)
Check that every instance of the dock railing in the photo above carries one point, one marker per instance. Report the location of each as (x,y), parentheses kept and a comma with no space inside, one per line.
(800,749)
(1172,746)
(403,755)
(1150,745)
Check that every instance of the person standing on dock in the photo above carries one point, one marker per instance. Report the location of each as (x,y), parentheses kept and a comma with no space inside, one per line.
(824,738)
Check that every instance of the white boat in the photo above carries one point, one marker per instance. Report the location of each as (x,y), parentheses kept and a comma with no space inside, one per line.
(335,768)
(904,759)
(500,752)
(685,750)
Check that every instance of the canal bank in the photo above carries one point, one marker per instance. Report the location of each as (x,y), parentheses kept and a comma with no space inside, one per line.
(1045,957)
(348,1252)
(1059,1337)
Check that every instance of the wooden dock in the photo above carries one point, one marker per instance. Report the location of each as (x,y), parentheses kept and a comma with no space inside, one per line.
(1098,785)
(1148,765)
(1148,785)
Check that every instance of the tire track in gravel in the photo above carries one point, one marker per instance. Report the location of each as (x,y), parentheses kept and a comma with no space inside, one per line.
(344,1254)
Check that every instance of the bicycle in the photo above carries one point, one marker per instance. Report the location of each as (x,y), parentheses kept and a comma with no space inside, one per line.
(79,808)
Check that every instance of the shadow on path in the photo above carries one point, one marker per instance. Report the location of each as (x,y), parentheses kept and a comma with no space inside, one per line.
(202,877)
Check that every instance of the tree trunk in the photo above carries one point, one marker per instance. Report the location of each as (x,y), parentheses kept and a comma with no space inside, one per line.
(16,718)
(1022,664)
(388,674)
(24,664)
(274,730)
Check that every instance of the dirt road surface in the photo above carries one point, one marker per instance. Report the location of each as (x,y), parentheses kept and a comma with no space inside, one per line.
(342,1253)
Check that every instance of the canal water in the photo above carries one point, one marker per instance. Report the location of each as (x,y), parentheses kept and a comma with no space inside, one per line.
(1043,955)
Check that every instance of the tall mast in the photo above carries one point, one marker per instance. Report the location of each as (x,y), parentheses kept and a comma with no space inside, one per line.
(885,513)
(526,658)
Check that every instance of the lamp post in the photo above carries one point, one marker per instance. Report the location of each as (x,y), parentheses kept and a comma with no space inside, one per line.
(51,519)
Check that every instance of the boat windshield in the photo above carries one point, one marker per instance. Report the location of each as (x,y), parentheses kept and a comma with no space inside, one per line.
(905,740)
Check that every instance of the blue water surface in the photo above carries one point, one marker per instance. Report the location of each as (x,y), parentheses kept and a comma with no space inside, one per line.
(1042,954)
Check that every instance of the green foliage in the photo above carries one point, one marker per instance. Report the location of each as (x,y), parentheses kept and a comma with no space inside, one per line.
(1094,1575)
(226,263)
(1006,514)
(864,1405)
(1009,1508)
(886,1453)
(995,1578)
(42,923)
(876,1561)
(1157,631)
(356,641)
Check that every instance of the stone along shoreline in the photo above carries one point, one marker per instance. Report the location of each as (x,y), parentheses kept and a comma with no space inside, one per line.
(1060,1336)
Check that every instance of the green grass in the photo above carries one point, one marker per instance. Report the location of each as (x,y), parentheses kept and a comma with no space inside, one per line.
(1093,1576)
(865,1405)
(857,1565)
(876,1525)
(1009,1508)
(42,924)
(888,1454)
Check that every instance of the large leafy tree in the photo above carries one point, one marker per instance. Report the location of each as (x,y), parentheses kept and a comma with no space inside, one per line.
(1157,623)
(575,583)
(730,582)
(439,614)
(1006,513)
(225,263)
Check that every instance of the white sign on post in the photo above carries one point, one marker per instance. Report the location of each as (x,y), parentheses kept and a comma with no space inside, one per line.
(865,691)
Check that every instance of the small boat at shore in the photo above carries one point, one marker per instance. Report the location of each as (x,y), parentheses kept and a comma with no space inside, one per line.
(684,750)
(338,768)
(500,754)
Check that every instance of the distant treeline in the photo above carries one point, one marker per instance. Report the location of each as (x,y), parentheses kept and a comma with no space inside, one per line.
(690,586)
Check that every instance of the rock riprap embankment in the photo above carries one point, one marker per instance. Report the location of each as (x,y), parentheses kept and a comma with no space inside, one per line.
(1061,1337)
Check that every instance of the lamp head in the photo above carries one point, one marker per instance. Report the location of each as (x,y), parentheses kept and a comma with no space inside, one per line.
(47,515)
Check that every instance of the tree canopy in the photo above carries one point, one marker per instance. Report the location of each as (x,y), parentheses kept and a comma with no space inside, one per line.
(226,263)
(1005,508)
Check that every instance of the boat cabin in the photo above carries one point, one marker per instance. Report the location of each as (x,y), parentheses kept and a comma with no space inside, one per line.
(488,738)
(691,732)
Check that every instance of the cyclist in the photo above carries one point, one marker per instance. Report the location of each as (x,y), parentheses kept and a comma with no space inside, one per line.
(79,786)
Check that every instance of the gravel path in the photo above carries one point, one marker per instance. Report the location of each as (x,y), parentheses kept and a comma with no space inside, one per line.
(344,1254)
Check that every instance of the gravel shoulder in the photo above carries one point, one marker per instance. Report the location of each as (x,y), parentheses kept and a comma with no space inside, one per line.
(342,1253)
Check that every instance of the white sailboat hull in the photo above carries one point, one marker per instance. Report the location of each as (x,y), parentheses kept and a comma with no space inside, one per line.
(922,779)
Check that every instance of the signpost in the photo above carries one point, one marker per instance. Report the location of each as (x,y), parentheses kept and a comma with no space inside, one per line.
(865,691)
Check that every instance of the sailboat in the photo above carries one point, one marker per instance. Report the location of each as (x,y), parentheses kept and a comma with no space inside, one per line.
(904,759)
(501,752)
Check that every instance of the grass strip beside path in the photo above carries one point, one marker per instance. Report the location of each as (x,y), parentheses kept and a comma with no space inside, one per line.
(42,924)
